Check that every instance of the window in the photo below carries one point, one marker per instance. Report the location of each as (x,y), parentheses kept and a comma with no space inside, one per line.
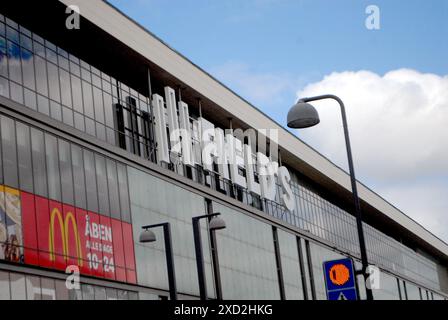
(124,193)
(18,291)
(78,177)
(39,168)
(90,175)
(101,176)
(48,289)
(9,154)
(65,165)
(5,293)
(51,155)
(41,76)
(24,155)
(33,290)
(53,82)
(112,181)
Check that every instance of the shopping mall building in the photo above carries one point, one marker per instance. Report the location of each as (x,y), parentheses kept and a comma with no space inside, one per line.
(89,154)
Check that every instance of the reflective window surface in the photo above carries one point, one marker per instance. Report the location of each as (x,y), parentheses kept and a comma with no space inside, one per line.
(18,286)
(247,257)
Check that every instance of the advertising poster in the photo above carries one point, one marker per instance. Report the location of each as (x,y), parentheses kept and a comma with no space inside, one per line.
(38,231)
(10,225)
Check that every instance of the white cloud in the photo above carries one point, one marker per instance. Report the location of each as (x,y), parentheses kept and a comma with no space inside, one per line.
(399,132)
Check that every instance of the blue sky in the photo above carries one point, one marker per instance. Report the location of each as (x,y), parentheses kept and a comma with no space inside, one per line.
(296,41)
(271,51)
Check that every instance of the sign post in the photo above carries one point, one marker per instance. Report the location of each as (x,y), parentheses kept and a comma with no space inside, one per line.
(340,281)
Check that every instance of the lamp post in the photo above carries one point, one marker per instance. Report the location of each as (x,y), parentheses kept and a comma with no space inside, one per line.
(304,115)
(216,223)
(148,235)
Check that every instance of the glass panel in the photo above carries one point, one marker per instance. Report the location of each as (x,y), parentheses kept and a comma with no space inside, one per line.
(54,181)
(111,294)
(88,292)
(66,93)
(61,290)
(18,291)
(88,99)
(48,289)
(77,94)
(38,156)
(65,165)
(33,290)
(9,154)
(53,82)
(28,69)
(124,193)
(78,177)
(24,155)
(112,182)
(5,293)
(41,76)
(101,177)
(90,175)
(100,293)
(15,66)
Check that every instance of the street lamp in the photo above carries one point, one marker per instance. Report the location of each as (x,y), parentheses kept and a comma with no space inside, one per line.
(215,223)
(148,235)
(304,115)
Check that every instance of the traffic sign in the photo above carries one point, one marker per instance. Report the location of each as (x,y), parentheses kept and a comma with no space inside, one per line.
(340,279)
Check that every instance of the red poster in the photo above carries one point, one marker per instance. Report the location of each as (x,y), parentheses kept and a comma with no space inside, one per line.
(57,235)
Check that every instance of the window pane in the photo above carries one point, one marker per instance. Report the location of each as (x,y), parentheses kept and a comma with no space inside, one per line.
(65,165)
(78,177)
(48,289)
(9,152)
(24,153)
(111,294)
(53,82)
(98,101)
(3,58)
(77,94)
(90,174)
(101,177)
(41,75)
(4,286)
(112,182)
(15,66)
(51,152)
(87,292)
(100,293)
(28,69)
(38,156)
(61,290)
(88,99)
(17,286)
(66,93)
(33,291)
(124,193)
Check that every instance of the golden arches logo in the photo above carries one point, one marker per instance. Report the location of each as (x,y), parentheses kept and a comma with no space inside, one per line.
(63,226)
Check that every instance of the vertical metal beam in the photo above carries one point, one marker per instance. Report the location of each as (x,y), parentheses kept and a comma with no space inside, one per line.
(278,260)
(215,257)
(199,258)
(310,269)
(302,269)
(170,261)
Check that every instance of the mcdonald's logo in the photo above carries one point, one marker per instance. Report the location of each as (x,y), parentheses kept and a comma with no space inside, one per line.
(64,227)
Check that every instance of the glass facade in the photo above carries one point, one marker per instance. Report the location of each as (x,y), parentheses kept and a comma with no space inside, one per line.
(39,164)
(20,286)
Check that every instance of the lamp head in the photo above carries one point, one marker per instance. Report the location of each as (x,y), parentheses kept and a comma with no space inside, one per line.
(146,236)
(217,223)
(302,115)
